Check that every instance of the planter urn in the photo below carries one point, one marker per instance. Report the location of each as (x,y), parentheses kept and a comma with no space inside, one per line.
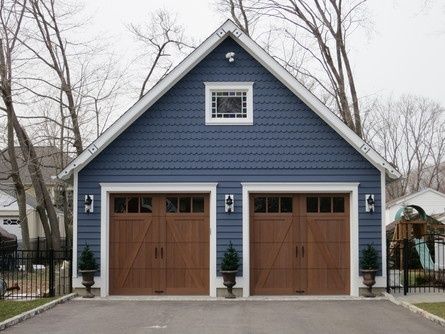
(88,281)
(369,281)
(229,280)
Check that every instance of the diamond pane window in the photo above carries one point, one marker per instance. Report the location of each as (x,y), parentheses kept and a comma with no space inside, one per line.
(229,103)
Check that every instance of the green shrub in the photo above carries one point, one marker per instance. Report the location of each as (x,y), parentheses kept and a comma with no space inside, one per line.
(87,260)
(230,260)
(370,258)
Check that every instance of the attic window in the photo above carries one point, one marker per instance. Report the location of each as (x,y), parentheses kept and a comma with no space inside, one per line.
(229,103)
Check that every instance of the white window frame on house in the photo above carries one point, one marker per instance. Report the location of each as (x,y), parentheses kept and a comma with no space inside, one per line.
(214,87)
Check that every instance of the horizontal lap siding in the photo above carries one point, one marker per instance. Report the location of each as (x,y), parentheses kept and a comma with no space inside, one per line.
(171,143)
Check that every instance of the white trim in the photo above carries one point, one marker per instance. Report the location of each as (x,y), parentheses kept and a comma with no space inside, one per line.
(229,86)
(107,188)
(75,203)
(351,188)
(229,29)
(383,208)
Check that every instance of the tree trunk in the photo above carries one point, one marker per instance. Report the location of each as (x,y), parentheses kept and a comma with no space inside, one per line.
(42,195)
(18,185)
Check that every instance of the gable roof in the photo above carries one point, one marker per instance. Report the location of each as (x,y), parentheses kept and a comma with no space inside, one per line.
(409,197)
(229,29)
(8,201)
(50,159)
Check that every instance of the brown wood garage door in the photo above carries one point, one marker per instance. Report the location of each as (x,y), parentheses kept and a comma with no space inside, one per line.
(159,244)
(299,244)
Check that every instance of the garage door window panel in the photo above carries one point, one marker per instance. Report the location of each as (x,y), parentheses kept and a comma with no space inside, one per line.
(120,205)
(146,205)
(133,204)
(198,204)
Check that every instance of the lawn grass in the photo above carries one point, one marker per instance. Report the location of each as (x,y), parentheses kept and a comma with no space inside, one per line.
(11,308)
(434,308)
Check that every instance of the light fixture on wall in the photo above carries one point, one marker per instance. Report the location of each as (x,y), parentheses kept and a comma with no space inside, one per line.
(89,204)
(370,203)
(229,203)
(230,56)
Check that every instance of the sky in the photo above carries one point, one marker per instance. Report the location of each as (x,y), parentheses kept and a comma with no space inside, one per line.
(403,52)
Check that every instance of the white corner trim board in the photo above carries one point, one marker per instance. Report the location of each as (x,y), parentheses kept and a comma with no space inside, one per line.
(75,204)
(383,209)
(229,29)
(107,188)
(351,188)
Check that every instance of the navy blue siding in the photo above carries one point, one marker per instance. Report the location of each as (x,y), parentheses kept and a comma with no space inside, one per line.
(171,143)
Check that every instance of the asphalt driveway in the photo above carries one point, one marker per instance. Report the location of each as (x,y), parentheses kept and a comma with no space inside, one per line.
(215,317)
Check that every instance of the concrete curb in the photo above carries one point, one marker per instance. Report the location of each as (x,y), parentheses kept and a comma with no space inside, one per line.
(415,309)
(222,299)
(32,313)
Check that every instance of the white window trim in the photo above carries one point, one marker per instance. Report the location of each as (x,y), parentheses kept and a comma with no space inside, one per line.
(107,188)
(221,86)
(351,188)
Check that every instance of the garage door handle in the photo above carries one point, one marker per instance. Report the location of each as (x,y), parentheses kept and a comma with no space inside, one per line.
(156,252)
(162,252)
(296,251)
(302,251)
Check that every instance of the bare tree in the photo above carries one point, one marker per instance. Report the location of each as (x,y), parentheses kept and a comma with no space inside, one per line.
(410,133)
(160,38)
(322,29)
(10,40)
(46,20)
(243,16)
(11,16)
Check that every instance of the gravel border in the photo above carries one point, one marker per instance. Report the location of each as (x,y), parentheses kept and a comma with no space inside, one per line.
(415,309)
(32,313)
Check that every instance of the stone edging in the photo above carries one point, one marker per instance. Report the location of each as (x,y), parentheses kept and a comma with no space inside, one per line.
(32,313)
(415,309)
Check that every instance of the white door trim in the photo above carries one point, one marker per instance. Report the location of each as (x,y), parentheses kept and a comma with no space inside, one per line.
(107,188)
(349,187)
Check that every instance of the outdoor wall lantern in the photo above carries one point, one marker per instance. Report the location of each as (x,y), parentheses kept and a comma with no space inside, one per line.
(370,202)
(89,203)
(229,203)
(230,56)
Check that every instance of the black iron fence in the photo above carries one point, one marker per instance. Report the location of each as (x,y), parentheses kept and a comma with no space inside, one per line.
(416,265)
(34,274)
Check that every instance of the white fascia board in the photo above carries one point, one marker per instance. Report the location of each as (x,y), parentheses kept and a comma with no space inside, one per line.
(263,58)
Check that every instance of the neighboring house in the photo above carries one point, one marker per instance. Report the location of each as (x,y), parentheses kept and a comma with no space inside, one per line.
(50,160)
(430,200)
(10,218)
(229,147)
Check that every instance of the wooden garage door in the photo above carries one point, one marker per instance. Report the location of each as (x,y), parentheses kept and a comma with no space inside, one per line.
(159,244)
(299,244)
